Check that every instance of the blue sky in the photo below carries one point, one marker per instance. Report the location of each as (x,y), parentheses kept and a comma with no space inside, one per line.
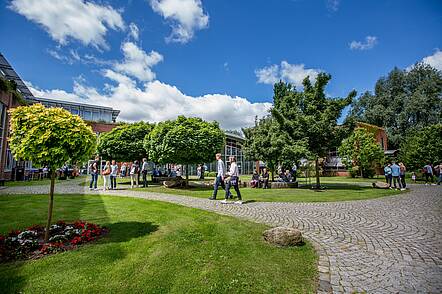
(210,58)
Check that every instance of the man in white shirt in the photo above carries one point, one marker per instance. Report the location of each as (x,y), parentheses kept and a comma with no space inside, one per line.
(144,172)
(221,171)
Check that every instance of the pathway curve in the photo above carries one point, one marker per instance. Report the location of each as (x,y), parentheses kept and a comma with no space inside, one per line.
(386,245)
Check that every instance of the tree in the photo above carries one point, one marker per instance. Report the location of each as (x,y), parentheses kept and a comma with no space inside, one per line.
(184,141)
(421,147)
(309,115)
(50,136)
(266,142)
(402,101)
(361,152)
(125,142)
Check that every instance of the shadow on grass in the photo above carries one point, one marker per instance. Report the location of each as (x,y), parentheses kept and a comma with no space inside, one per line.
(126,231)
(22,211)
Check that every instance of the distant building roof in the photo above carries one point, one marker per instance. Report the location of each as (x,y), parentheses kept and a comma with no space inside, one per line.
(362,124)
(234,136)
(9,73)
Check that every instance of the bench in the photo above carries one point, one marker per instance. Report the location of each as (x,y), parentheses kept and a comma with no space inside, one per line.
(275,185)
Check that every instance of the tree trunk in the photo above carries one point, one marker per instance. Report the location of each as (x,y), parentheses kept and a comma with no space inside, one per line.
(187,175)
(51,204)
(318,181)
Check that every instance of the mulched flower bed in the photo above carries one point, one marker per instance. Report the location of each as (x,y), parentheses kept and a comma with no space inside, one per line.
(29,244)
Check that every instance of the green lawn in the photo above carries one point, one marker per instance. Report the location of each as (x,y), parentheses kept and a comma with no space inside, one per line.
(337,189)
(154,247)
(334,192)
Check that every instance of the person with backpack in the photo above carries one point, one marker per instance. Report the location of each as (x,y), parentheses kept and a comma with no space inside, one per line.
(113,175)
(93,170)
(134,174)
(106,175)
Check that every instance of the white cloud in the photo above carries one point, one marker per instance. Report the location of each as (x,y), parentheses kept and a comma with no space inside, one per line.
(434,60)
(292,73)
(186,16)
(137,63)
(268,75)
(134,31)
(158,101)
(82,20)
(370,42)
(333,5)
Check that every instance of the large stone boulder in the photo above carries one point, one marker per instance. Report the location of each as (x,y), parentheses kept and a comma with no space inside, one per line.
(283,236)
(380,185)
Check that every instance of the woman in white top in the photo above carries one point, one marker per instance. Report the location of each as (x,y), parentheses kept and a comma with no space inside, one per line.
(233,179)
(106,175)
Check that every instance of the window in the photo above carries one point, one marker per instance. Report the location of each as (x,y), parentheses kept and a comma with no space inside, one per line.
(2,125)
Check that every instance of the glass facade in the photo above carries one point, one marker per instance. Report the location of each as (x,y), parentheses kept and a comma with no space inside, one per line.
(85,111)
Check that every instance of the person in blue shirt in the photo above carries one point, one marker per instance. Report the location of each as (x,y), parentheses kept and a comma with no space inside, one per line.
(396,173)
(387,173)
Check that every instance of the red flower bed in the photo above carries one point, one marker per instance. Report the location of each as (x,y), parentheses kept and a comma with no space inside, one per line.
(63,236)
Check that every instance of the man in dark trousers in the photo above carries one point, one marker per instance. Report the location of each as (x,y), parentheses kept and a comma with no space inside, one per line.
(144,168)
(221,171)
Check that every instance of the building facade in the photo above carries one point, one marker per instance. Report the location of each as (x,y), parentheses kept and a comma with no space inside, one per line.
(100,118)
(333,165)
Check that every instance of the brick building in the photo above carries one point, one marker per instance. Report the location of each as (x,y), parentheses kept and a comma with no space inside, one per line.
(100,118)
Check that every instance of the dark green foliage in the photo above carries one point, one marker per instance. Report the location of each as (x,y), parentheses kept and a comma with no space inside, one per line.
(421,147)
(125,142)
(184,141)
(309,115)
(266,142)
(9,86)
(402,101)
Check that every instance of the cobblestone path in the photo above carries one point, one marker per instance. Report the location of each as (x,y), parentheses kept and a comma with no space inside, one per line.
(386,245)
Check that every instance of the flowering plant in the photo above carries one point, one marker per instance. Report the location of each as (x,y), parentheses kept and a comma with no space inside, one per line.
(30,242)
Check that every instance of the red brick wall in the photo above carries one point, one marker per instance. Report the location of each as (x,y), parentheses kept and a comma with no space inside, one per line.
(100,127)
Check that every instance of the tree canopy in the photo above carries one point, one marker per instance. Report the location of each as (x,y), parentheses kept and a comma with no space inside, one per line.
(266,142)
(361,152)
(421,147)
(125,142)
(402,101)
(51,136)
(309,115)
(184,141)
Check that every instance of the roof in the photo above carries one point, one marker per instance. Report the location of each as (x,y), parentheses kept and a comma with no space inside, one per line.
(234,136)
(391,152)
(9,73)
(362,124)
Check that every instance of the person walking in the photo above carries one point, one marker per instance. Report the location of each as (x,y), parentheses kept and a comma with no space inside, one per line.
(413,177)
(93,170)
(219,181)
(144,169)
(134,174)
(113,175)
(403,169)
(387,173)
(428,172)
(232,181)
(396,172)
(106,176)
